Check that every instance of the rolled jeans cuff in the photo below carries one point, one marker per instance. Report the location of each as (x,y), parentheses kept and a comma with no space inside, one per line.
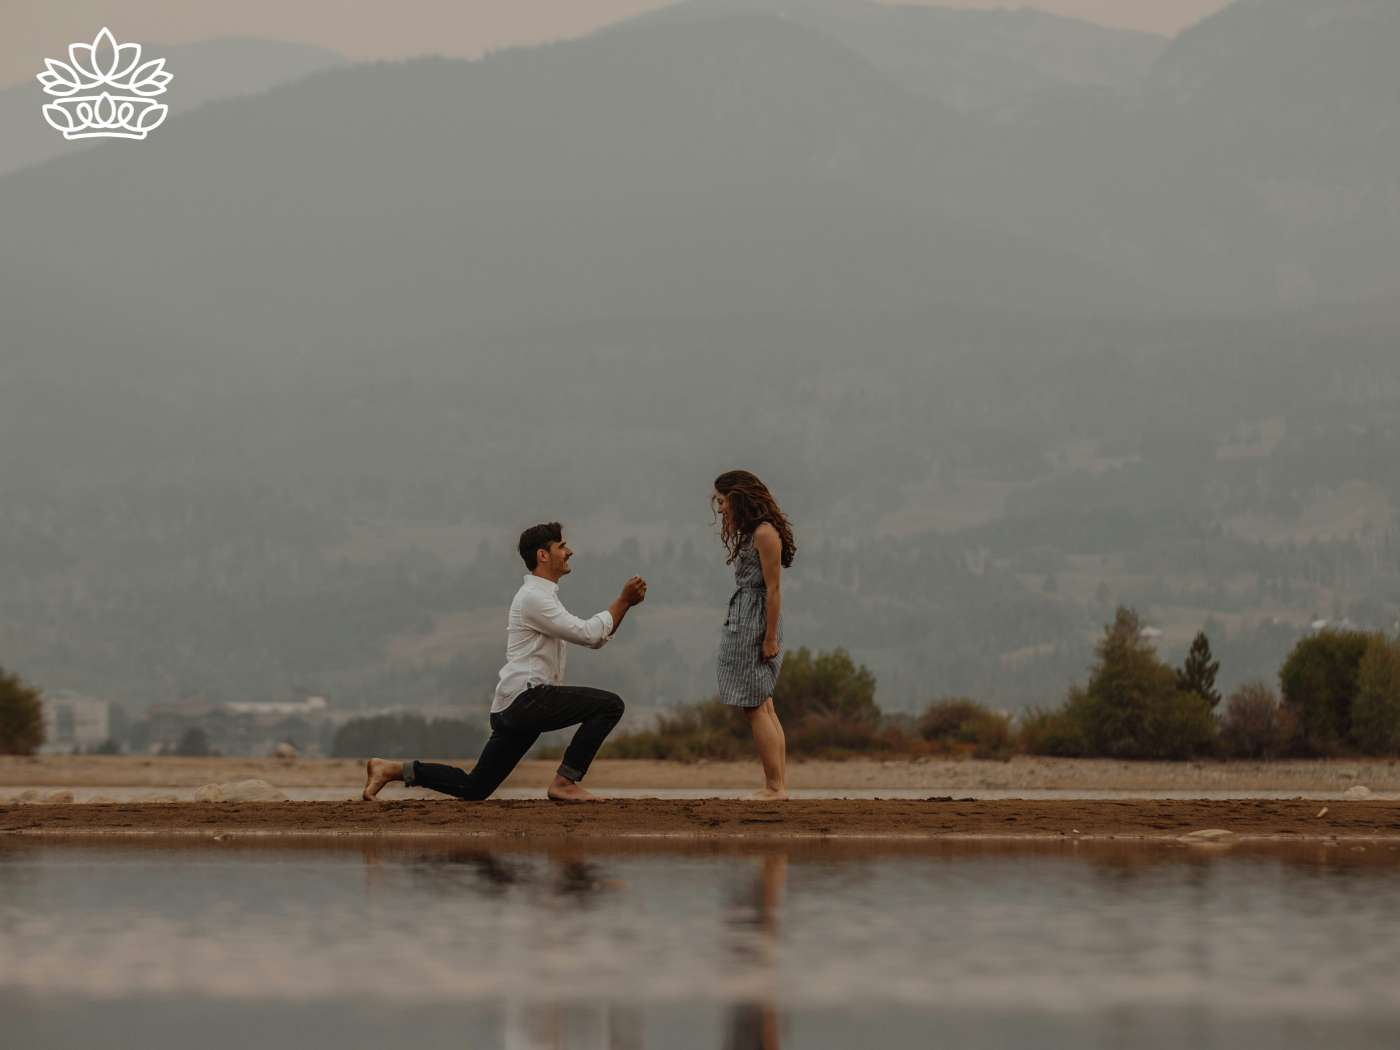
(568,772)
(410,772)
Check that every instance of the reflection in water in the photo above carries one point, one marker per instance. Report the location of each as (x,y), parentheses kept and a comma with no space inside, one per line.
(754,1023)
(571,1026)
(450,944)
(572,881)
(568,881)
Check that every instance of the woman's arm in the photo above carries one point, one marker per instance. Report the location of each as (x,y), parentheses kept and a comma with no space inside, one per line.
(770,558)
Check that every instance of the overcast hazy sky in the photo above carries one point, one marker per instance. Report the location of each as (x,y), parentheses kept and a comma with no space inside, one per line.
(31,30)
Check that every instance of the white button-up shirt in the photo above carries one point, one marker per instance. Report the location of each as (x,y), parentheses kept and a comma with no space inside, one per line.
(536,631)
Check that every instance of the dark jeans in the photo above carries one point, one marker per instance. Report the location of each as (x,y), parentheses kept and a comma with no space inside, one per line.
(540,709)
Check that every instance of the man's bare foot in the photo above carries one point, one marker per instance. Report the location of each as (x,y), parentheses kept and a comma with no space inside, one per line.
(379,772)
(767,795)
(567,791)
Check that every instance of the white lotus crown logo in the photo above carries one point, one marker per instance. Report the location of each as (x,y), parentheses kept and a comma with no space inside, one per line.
(105,91)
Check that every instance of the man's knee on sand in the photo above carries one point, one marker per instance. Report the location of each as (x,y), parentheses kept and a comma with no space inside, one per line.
(613,706)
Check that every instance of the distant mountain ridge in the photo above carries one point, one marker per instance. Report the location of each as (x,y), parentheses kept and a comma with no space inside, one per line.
(750,161)
(990,62)
(740,159)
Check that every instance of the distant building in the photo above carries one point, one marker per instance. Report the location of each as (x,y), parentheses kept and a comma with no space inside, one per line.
(74,722)
(311,707)
(1344,624)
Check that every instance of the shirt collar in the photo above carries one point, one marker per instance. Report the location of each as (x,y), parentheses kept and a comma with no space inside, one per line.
(531,578)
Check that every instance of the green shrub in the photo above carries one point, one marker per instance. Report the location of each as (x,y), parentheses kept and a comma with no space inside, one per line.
(961,721)
(944,720)
(1182,726)
(1256,724)
(831,733)
(1056,731)
(707,730)
(898,734)
(825,683)
(1375,714)
(21,716)
(825,700)
(1320,681)
(991,735)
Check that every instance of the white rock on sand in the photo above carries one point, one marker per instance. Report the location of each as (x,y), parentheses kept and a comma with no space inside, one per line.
(38,798)
(240,791)
(1208,835)
(1360,791)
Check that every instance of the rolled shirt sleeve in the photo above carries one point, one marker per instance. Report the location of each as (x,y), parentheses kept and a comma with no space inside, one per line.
(546,613)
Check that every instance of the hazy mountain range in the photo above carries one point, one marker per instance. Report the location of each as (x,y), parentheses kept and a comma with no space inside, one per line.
(1070,311)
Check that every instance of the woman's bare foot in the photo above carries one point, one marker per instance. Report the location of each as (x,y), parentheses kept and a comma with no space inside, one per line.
(378,772)
(768,795)
(567,791)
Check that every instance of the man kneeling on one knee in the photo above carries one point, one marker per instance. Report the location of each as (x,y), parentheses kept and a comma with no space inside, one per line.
(531,697)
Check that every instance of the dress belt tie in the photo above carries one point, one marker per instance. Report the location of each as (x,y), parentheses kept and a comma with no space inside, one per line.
(729,619)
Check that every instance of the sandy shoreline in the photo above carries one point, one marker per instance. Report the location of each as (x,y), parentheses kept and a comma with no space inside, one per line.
(701,820)
(938,776)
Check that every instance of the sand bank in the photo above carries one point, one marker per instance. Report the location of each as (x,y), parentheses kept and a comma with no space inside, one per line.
(728,820)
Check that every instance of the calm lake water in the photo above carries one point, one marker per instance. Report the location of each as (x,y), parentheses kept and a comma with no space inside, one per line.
(167,946)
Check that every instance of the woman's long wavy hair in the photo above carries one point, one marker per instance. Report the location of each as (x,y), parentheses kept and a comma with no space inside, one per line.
(750,504)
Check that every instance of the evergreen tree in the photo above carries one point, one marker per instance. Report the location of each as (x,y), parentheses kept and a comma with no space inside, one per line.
(1375,713)
(1197,675)
(21,716)
(1132,707)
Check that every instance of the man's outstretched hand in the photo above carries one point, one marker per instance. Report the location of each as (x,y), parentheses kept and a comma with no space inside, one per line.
(634,592)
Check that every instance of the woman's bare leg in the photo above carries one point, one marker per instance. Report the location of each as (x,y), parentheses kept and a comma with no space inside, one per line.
(772,750)
(782,737)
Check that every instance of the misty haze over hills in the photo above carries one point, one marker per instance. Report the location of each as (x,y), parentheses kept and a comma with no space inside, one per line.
(1019,316)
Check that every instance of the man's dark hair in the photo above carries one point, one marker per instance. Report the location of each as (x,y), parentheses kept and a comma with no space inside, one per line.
(537,536)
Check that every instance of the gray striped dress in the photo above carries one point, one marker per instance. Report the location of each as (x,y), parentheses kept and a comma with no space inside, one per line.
(745,678)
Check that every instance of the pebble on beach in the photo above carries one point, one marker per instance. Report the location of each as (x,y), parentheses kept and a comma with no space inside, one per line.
(240,791)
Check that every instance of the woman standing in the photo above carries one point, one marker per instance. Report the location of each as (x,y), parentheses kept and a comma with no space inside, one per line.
(758,538)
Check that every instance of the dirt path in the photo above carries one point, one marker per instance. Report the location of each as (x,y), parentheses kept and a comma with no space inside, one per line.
(725,820)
